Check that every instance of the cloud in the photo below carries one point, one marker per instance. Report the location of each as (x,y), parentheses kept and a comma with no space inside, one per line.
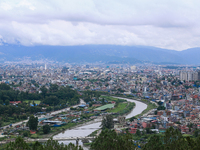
(167,24)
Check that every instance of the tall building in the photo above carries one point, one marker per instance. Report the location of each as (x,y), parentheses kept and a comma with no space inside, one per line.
(45,67)
(133,67)
(183,76)
(195,76)
(199,75)
(189,75)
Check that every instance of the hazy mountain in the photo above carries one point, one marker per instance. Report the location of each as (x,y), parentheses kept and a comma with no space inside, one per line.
(191,56)
(100,53)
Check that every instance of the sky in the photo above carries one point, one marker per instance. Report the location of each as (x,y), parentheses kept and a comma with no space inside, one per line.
(170,24)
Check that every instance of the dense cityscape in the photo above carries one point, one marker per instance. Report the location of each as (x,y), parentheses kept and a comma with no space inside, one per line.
(171,94)
(99,75)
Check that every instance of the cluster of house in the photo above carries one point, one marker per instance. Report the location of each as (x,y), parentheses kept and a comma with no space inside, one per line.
(151,82)
(181,114)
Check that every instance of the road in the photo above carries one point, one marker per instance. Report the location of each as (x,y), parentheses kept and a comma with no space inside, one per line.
(52,113)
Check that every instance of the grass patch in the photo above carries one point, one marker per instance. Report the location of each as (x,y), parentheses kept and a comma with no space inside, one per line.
(94,133)
(11,120)
(31,101)
(109,98)
(187,135)
(120,107)
(3,146)
(87,144)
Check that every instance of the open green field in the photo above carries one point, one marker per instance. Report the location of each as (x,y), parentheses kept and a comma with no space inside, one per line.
(187,135)
(109,98)
(120,107)
(31,101)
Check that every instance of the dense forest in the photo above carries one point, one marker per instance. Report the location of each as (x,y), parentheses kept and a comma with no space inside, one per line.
(54,98)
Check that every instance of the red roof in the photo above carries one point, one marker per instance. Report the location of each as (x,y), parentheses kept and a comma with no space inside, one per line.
(32,132)
(15,102)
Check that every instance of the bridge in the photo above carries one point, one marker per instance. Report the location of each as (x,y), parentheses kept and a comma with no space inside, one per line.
(62,139)
(56,138)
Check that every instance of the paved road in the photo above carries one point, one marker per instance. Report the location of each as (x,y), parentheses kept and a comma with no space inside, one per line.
(52,113)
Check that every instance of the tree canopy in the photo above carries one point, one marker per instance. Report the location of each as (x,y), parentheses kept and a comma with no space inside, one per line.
(107,122)
(172,139)
(110,140)
(20,144)
(33,122)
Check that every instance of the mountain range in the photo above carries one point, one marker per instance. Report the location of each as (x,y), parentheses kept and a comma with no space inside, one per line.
(101,53)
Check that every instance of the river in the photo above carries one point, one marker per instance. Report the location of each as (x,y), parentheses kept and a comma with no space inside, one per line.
(85,130)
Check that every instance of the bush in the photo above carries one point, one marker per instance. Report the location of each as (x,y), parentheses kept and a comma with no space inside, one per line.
(26,134)
(46,129)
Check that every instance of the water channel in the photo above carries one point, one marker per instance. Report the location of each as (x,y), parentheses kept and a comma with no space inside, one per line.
(85,130)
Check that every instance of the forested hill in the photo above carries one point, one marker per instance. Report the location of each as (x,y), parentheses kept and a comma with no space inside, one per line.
(100,53)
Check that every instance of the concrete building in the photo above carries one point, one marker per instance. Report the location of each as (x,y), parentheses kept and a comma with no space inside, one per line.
(189,76)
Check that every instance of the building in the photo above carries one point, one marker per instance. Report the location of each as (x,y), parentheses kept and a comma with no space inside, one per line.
(189,76)
(199,75)
(104,107)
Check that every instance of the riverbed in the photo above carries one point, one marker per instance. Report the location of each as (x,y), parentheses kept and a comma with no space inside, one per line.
(85,130)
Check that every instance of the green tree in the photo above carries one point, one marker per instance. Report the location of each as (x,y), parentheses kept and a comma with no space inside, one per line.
(196,133)
(155,143)
(172,139)
(110,140)
(107,122)
(46,129)
(44,91)
(19,144)
(37,146)
(4,86)
(7,102)
(138,133)
(103,101)
(132,118)
(33,122)
(54,145)
(53,88)
(1,102)
(26,133)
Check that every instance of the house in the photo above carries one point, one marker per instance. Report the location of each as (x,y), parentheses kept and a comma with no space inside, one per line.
(96,105)
(32,132)
(132,130)
(15,102)
(184,129)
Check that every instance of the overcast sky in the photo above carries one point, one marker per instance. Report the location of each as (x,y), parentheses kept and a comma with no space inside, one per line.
(172,24)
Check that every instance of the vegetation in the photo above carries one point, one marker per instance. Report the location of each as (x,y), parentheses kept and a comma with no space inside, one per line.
(120,107)
(33,122)
(54,98)
(46,129)
(127,109)
(20,144)
(33,102)
(110,140)
(107,122)
(161,108)
(172,139)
